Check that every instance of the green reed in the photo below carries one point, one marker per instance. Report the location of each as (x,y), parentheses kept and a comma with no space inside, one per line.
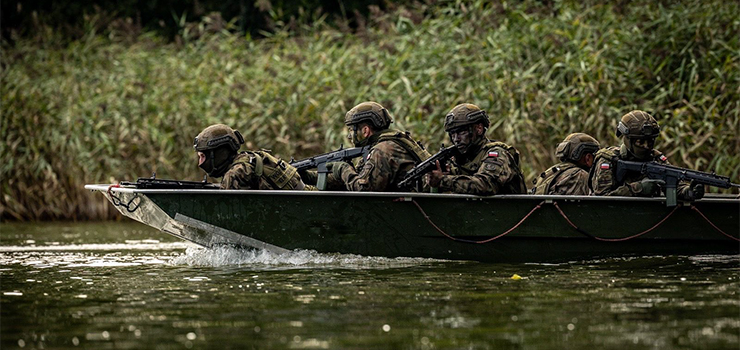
(108,107)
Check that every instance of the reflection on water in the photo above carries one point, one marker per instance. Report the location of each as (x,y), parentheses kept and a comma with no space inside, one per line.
(120,285)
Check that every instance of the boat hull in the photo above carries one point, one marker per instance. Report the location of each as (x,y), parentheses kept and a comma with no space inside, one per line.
(514,228)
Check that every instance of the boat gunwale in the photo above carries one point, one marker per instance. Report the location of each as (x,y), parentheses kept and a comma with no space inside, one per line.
(723,198)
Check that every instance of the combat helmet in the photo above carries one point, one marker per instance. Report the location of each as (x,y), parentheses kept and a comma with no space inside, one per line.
(369,112)
(638,124)
(218,135)
(465,114)
(220,144)
(575,145)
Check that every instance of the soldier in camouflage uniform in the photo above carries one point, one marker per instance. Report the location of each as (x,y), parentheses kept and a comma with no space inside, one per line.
(638,131)
(217,147)
(392,152)
(570,176)
(482,166)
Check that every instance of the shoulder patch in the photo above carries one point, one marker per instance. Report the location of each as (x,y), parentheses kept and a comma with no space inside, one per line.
(493,154)
(605,166)
(663,158)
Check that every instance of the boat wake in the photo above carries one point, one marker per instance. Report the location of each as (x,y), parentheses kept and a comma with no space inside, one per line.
(231,256)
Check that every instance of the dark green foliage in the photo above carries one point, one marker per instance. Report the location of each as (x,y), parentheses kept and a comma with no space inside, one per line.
(72,19)
(103,110)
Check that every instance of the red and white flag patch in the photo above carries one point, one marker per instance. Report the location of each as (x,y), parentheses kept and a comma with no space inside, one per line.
(605,166)
(493,154)
(663,158)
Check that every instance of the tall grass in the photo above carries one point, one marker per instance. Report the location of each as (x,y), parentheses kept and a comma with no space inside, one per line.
(105,109)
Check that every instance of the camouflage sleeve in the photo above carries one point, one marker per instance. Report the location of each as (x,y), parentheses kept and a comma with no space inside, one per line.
(309,177)
(379,169)
(574,182)
(488,180)
(603,182)
(374,176)
(240,177)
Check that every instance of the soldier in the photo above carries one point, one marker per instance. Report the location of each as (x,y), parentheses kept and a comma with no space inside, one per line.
(217,147)
(638,131)
(482,167)
(392,152)
(570,176)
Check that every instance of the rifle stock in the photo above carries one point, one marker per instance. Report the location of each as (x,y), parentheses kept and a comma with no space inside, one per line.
(672,175)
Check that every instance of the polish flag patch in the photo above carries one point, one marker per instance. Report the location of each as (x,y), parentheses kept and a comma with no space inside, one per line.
(493,154)
(663,158)
(605,166)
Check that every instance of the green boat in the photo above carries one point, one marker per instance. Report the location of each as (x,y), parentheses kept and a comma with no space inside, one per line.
(504,228)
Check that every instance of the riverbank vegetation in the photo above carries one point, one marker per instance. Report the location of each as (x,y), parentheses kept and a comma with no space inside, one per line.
(115,105)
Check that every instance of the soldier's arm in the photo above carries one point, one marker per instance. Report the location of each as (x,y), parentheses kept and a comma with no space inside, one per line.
(375,175)
(240,177)
(492,173)
(309,177)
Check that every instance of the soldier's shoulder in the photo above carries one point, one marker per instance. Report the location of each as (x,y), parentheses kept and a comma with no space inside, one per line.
(502,147)
(388,147)
(494,153)
(242,157)
(383,150)
(575,171)
(607,152)
(242,163)
(499,144)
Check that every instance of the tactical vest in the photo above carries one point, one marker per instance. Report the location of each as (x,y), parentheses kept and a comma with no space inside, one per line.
(516,185)
(404,140)
(543,182)
(275,171)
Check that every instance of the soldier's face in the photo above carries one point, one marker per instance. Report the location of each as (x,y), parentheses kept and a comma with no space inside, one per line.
(358,134)
(640,147)
(201,158)
(588,159)
(462,138)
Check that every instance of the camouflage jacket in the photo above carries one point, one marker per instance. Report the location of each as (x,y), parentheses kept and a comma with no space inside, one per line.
(493,170)
(259,170)
(393,154)
(602,179)
(564,178)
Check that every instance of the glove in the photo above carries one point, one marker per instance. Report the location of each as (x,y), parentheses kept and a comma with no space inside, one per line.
(337,168)
(694,192)
(648,187)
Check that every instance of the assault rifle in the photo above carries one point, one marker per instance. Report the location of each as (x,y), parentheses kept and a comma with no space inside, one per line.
(154,183)
(319,162)
(672,175)
(414,175)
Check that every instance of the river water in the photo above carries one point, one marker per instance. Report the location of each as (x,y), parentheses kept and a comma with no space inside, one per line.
(122,285)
